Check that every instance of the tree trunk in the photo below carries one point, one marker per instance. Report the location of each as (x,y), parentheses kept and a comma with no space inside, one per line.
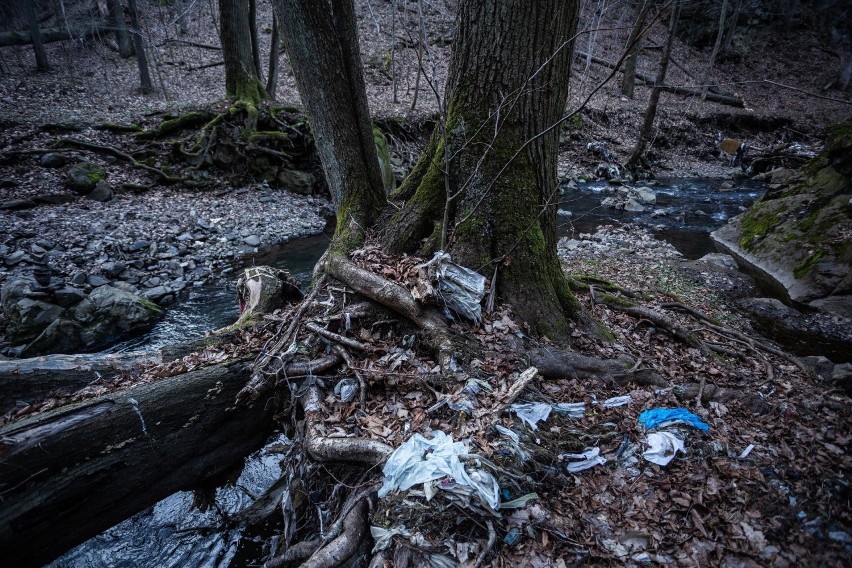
(502,97)
(35,34)
(651,111)
(69,474)
(721,32)
(322,43)
(122,36)
(274,57)
(242,82)
(255,45)
(146,85)
(629,79)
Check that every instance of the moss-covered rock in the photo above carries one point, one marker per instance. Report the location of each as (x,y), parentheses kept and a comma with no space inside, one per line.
(84,176)
(796,237)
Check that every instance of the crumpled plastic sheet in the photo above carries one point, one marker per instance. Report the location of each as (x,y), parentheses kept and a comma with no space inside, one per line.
(658,417)
(532,412)
(617,401)
(346,389)
(384,538)
(460,288)
(420,460)
(571,409)
(662,447)
(589,458)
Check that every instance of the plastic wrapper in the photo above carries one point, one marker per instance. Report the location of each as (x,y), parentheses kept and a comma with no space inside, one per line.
(589,458)
(420,460)
(460,289)
(661,417)
(532,412)
(662,447)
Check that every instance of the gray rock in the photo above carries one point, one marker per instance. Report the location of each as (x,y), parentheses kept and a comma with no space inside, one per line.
(103,192)
(111,313)
(84,176)
(112,268)
(184,237)
(54,160)
(27,318)
(645,195)
(156,293)
(17,204)
(719,259)
(68,296)
(54,198)
(204,224)
(79,278)
(46,244)
(633,205)
(96,281)
(61,336)
(294,180)
(252,240)
(139,245)
(15,258)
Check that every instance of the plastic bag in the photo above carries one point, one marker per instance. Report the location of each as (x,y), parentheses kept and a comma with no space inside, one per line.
(571,409)
(461,289)
(532,412)
(589,458)
(657,417)
(346,389)
(419,461)
(662,447)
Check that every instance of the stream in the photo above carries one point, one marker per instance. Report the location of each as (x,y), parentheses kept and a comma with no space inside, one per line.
(175,533)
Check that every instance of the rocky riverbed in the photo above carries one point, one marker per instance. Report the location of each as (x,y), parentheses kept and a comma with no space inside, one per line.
(156,244)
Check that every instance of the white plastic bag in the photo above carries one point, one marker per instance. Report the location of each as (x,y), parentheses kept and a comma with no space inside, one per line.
(662,447)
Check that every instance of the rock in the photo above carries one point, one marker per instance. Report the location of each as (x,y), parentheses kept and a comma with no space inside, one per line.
(184,237)
(83,177)
(8,183)
(54,160)
(252,240)
(156,293)
(264,289)
(633,205)
(96,281)
(61,336)
(68,296)
(102,192)
(15,258)
(204,224)
(108,314)
(296,181)
(645,195)
(803,334)
(27,318)
(112,269)
(17,204)
(79,278)
(46,244)
(719,259)
(139,245)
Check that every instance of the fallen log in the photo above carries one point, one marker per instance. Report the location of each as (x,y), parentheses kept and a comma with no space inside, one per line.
(720,98)
(50,35)
(69,474)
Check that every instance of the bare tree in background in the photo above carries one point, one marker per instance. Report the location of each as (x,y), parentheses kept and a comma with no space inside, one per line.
(146,85)
(35,34)
(122,36)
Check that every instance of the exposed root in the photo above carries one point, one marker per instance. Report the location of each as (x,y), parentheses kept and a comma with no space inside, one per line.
(346,543)
(163,176)
(295,554)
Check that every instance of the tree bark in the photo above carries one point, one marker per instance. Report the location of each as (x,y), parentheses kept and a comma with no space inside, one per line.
(629,79)
(35,34)
(497,205)
(122,36)
(274,57)
(651,111)
(255,45)
(146,86)
(322,42)
(242,82)
(704,86)
(69,474)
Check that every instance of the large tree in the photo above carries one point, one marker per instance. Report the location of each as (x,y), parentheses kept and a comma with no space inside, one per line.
(239,45)
(485,188)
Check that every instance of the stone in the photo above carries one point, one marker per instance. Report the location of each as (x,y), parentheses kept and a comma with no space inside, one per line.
(139,245)
(645,194)
(264,289)
(67,296)
(110,313)
(719,259)
(204,224)
(54,160)
(113,268)
(61,336)
(15,258)
(27,318)
(54,198)
(633,205)
(294,180)
(184,237)
(156,293)
(46,244)
(84,176)
(79,278)
(96,280)
(103,192)
(8,183)
(252,240)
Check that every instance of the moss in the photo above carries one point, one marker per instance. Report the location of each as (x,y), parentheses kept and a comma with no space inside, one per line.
(804,267)
(616,301)
(755,224)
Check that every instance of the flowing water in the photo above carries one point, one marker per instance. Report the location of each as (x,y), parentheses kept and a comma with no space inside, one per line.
(175,533)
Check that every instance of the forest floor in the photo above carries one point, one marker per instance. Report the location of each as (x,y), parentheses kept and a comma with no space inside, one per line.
(784,502)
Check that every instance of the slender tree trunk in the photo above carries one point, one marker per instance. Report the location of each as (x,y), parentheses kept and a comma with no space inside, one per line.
(35,33)
(322,43)
(139,45)
(241,79)
(274,57)
(122,36)
(729,35)
(501,98)
(651,111)
(255,45)
(705,87)
(629,80)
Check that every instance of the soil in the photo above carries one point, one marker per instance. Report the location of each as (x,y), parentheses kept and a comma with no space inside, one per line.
(786,503)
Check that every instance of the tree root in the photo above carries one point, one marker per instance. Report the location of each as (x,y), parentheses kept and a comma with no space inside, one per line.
(124,156)
(345,545)
(295,554)
(554,364)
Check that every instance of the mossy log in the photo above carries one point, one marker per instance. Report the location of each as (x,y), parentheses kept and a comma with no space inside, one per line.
(69,474)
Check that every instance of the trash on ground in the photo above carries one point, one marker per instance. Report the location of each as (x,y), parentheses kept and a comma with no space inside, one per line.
(461,289)
(617,401)
(660,417)
(570,409)
(513,537)
(662,447)
(346,389)
(420,460)
(589,458)
(532,412)
(746,452)
(520,502)
(384,538)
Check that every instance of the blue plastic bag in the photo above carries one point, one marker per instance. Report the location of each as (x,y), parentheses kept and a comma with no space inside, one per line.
(652,418)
